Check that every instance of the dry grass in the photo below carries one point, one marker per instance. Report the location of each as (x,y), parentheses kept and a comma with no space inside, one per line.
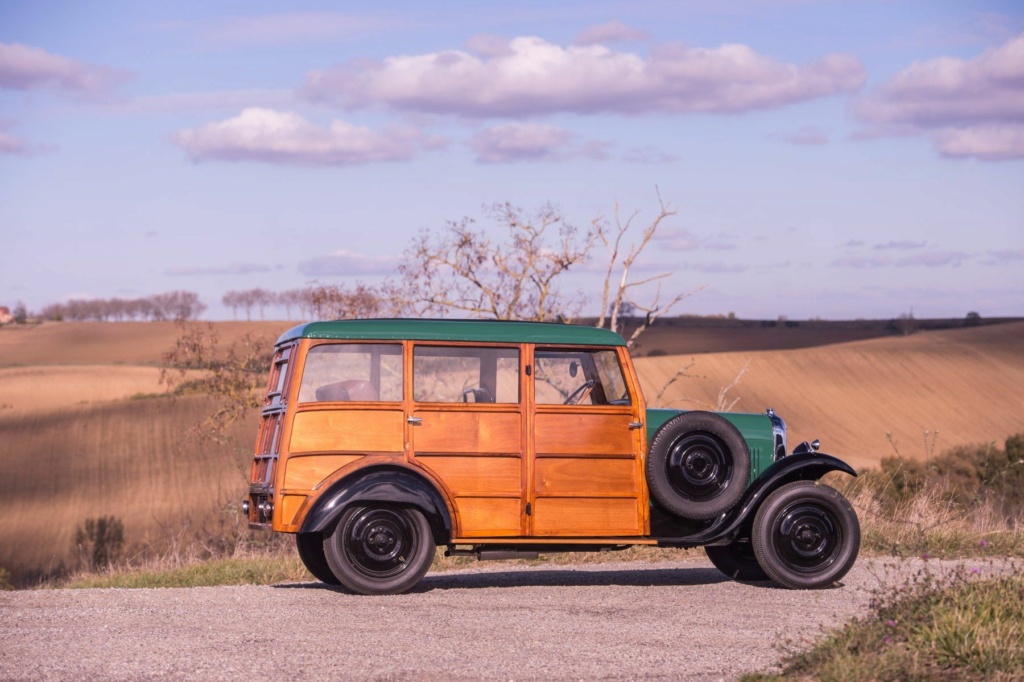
(964,383)
(43,389)
(129,459)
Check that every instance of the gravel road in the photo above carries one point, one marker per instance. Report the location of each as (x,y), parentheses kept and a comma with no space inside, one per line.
(679,620)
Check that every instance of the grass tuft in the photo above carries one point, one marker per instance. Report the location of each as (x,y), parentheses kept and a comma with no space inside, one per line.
(250,570)
(962,626)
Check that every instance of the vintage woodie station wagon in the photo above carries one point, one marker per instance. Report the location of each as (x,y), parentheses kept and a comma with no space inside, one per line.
(383,439)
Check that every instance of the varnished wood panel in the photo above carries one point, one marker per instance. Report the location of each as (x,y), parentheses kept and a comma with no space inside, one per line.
(488,517)
(468,432)
(585,434)
(348,431)
(582,516)
(479,476)
(290,507)
(303,473)
(554,476)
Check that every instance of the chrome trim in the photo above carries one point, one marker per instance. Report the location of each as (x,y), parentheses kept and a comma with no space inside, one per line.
(778,433)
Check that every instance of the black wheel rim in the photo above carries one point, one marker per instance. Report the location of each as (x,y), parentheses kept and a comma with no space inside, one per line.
(807,537)
(699,467)
(379,542)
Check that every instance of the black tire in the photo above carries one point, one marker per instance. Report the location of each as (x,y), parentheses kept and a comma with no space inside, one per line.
(737,561)
(379,549)
(698,465)
(311,551)
(806,535)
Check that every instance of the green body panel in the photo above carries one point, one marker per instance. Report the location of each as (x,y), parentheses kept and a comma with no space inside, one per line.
(756,429)
(455,330)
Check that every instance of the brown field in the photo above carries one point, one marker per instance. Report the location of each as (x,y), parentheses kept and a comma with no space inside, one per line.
(101,343)
(55,387)
(968,384)
(75,446)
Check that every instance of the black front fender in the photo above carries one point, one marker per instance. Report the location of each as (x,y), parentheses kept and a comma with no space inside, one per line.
(390,485)
(805,466)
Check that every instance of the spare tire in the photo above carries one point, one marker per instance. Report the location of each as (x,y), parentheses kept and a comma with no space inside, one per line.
(698,465)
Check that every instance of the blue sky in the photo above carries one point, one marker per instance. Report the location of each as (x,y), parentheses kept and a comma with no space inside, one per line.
(827,159)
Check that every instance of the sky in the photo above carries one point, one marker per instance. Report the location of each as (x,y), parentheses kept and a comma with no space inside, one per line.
(826,159)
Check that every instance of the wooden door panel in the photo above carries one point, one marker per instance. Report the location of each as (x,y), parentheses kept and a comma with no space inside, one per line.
(584,477)
(355,431)
(586,516)
(477,476)
(583,434)
(472,433)
(303,473)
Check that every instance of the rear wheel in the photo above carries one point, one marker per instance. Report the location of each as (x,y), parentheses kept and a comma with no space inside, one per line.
(737,561)
(311,551)
(380,549)
(806,535)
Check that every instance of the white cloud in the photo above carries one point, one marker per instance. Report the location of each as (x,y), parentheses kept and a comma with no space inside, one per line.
(23,67)
(900,245)
(288,138)
(537,77)
(612,32)
(346,263)
(970,107)
(511,142)
(1005,257)
(934,259)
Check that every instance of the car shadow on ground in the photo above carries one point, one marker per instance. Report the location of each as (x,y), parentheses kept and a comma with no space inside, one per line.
(562,577)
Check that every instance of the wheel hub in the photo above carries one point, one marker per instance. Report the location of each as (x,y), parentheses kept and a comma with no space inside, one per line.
(378,540)
(698,467)
(807,537)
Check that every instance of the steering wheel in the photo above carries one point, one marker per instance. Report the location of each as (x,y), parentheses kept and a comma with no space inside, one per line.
(581,393)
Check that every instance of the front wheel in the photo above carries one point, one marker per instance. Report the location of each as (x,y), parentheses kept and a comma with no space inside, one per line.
(379,549)
(806,535)
(737,561)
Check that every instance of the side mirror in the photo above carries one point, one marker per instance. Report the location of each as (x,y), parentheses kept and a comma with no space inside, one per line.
(574,369)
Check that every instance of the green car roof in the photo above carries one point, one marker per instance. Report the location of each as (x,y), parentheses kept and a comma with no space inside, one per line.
(454,330)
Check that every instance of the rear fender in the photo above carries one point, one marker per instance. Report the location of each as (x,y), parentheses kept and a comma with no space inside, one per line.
(392,485)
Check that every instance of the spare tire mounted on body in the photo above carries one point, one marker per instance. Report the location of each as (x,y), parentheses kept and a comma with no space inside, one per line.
(698,465)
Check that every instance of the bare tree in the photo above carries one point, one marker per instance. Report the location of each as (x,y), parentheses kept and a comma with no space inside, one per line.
(616,295)
(337,301)
(462,270)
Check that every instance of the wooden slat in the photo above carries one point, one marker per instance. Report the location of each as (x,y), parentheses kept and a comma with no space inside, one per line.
(581,516)
(303,473)
(477,476)
(583,434)
(290,507)
(468,432)
(486,517)
(588,477)
(348,431)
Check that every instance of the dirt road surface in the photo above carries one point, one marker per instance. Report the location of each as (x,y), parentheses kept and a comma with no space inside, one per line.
(680,620)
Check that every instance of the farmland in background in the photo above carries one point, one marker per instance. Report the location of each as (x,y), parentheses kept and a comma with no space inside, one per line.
(84,431)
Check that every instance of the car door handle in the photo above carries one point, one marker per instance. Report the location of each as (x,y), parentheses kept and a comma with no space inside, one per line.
(633,426)
(415,421)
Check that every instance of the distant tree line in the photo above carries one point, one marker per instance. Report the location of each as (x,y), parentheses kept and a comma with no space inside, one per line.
(303,300)
(173,305)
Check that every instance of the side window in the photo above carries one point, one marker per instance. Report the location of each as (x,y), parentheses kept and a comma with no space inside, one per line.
(578,377)
(342,372)
(465,374)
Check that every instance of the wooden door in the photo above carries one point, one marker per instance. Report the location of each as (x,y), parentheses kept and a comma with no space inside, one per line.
(586,457)
(467,430)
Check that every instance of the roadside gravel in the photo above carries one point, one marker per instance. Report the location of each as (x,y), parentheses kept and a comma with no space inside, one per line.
(679,620)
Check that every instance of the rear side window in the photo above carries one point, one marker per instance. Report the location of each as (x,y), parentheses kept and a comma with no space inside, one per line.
(465,374)
(347,372)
